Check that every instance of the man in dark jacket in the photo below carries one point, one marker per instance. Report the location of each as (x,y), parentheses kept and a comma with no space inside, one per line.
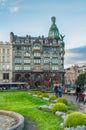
(56,91)
(78,90)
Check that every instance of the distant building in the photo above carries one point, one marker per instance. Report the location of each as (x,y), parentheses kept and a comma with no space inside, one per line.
(82,69)
(5,62)
(72,73)
(38,59)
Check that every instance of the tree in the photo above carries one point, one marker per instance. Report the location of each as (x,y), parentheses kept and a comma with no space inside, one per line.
(81,80)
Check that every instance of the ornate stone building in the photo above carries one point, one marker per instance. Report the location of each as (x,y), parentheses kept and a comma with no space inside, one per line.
(5,62)
(38,59)
(71,74)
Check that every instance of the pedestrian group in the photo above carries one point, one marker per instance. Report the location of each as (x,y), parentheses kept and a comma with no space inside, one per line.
(58,91)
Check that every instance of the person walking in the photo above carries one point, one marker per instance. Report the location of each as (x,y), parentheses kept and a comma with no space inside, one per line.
(78,90)
(60,91)
(56,91)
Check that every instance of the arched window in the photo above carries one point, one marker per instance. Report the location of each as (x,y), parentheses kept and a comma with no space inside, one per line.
(36,47)
(26,54)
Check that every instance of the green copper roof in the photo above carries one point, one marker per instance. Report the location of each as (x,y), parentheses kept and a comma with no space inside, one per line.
(53,31)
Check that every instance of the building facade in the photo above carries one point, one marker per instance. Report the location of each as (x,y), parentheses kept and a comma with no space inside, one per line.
(72,73)
(38,59)
(82,69)
(5,62)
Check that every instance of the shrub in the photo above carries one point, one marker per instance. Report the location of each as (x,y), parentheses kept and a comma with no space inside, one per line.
(62,100)
(52,97)
(31,92)
(59,107)
(45,95)
(75,119)
(39,94)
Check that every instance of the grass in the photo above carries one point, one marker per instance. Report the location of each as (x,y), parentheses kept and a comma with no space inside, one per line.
(72,107)
(26,105)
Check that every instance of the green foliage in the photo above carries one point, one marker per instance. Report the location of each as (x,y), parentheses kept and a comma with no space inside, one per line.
(52,97)
(45,95)
(81,80)
(62,100)
(39,94)
(74,119)
(59,107)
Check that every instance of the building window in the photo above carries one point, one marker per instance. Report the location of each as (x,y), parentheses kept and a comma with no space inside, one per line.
(26,61)
(26,54)
(18,47)
(5,75)
(26,67)
(8,59)
(46,48)
(8,67)
(54,49)
(54,55)
(46,67)
(54,61)
(36,47)
(46,61)
(37,54)
(8,51)
(26,48)
(37,67)
(54,67)
(3,58)
(36,60)
(3,50)
(18,67)
(17,54)
(46,55)
(17,60)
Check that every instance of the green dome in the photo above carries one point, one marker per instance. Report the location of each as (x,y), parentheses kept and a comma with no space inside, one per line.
(53,31)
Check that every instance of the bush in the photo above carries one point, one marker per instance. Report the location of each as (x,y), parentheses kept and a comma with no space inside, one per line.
(52,97)
(75,119)
(39,94)
(31,92)
(45,95)
(59,107)
(62,100)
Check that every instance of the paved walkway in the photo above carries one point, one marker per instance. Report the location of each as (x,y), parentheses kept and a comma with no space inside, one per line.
(72,99)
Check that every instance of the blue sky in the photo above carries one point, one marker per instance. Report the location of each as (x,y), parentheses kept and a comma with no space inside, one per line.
(33,17)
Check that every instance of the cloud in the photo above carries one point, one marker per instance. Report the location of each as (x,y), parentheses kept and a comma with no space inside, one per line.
(14,9)
(75,56)
(2,1)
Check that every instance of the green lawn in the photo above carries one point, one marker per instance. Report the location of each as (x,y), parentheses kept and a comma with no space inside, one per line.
(26,105)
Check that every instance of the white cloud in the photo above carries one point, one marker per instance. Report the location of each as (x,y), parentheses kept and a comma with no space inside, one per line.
(73,55)
(2,0)
(14,9)
(81,62)
(73,58)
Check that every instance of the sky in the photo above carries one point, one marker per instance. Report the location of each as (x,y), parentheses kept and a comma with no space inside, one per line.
(33,17)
